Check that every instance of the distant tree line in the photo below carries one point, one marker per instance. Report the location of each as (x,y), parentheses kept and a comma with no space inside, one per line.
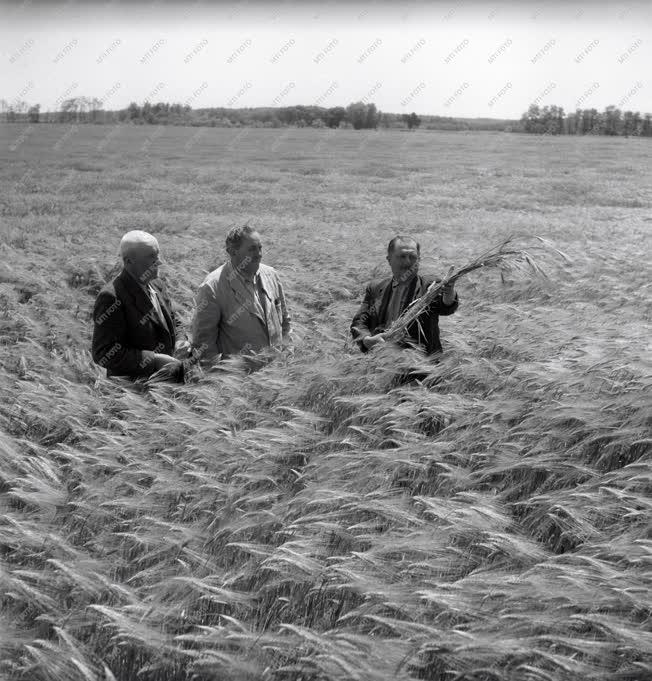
(357,115)
(19,111)
(551,120)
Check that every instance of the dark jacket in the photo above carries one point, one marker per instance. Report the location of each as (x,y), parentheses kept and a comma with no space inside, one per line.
(127,330)
(371,318)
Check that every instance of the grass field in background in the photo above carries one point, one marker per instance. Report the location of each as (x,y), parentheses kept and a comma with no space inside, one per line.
(313,521)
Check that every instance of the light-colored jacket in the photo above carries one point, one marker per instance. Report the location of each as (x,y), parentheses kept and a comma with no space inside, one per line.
(226,319)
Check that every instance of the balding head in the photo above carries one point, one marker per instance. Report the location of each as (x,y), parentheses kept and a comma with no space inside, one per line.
(140,254)
(135,241)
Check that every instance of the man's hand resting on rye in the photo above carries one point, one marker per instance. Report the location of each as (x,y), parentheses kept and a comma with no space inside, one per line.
(370,341)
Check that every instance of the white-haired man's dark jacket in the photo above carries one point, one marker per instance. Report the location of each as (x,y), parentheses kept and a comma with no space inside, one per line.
(127,331)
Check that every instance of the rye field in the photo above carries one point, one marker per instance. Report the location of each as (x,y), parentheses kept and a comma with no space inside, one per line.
(317,520)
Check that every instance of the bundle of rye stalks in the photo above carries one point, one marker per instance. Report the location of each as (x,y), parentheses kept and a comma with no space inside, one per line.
(504,256)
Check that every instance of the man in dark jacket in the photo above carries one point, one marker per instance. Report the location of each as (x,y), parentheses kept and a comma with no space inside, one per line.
(135,330)
(386,299)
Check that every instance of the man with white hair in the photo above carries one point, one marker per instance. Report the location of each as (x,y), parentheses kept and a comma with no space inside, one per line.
(240,306)
(135,330)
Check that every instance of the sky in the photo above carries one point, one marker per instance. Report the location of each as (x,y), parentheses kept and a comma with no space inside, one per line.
(465,59)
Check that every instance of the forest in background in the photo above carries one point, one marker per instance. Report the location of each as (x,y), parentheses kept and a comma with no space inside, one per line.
(549,119)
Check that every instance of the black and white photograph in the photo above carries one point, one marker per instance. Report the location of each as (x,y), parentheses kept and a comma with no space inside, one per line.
(325,340)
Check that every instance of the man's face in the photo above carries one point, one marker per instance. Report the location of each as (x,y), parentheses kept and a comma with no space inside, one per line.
(247,257)
(143,263)
(404,260)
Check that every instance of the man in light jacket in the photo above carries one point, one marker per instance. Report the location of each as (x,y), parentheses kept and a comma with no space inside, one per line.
(240,307)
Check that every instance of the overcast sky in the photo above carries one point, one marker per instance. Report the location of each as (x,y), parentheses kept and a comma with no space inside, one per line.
(444,58)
